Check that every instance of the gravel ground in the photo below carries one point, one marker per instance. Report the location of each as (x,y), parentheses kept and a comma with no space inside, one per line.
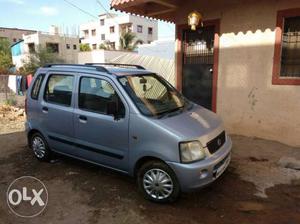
(82,193)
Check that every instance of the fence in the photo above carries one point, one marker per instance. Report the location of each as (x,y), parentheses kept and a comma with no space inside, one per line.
(9,96)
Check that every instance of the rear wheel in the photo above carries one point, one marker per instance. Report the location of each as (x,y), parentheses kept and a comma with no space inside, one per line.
(40,147)
(158,182)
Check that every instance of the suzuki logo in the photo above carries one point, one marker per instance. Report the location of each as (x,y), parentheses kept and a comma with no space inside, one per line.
(27,196)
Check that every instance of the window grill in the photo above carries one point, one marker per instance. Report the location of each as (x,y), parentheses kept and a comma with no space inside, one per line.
(199,46)
(290,54)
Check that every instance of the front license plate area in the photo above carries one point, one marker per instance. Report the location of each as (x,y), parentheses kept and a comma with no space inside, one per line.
(221,166)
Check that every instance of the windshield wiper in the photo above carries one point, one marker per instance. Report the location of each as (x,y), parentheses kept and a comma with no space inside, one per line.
(164,113)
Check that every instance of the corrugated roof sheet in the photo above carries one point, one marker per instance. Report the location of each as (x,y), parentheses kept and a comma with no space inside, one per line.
(160,66)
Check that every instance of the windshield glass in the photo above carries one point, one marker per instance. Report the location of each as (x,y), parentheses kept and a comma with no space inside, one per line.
(152,94)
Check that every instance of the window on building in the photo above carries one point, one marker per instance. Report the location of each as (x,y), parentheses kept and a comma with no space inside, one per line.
(74,47)
(102,22)
(139,29)
(112,29)
(86,33)
(53,47)
(150,30)
(94,46)
(59,89)
(96,94)
(286,70)
(68,46)
(102,36)
(31,47)
(93,32)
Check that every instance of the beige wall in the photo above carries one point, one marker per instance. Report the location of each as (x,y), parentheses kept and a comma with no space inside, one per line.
(247,101)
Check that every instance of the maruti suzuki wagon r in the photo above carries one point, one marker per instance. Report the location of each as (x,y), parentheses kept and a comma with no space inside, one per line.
(128,119)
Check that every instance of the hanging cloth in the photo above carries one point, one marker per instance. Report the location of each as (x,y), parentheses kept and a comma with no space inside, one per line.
(29,79)
(12,83)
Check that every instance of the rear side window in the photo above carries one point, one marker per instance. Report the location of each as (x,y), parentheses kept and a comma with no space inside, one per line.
(59,89)
(37,86)
(95,94)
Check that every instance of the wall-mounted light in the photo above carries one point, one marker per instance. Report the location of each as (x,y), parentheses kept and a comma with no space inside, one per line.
(194,19)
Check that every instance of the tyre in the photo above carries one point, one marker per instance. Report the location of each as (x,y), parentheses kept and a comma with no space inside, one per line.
(40,148)
(158,182)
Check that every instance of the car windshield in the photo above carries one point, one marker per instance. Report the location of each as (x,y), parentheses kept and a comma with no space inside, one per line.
(153,95)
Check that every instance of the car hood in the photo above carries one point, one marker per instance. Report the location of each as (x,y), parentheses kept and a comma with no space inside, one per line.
(197,123)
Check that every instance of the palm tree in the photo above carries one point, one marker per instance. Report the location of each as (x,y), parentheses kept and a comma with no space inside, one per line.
(128,42)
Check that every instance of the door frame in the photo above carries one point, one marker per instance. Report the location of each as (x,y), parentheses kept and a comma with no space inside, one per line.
(179,57)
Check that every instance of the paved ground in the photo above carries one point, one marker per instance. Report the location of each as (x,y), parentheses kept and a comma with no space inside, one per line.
(83,193)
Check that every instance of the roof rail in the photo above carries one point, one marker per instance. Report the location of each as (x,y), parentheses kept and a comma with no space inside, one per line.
(98,68)
(117,65)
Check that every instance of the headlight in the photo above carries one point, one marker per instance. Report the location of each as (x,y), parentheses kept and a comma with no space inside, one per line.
(191,151)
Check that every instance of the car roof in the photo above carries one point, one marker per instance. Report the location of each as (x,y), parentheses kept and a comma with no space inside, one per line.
(101,69)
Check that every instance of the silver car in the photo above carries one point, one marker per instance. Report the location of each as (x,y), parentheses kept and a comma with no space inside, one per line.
(127,119)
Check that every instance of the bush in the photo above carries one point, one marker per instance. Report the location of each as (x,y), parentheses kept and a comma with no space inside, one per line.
(11,101)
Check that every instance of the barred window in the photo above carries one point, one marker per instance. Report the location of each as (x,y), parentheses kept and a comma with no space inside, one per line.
(290,52)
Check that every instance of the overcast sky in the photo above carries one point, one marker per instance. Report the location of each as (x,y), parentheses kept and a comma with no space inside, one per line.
(40,14)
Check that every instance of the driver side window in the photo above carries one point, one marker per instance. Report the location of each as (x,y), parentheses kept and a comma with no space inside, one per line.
(95,95)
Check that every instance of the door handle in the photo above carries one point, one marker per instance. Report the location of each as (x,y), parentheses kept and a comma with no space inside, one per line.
(45,109)
(82,118)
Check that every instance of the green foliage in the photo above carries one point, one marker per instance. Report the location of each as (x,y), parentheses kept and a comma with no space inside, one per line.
(11,101)
(128,42)
(85,47)
(40,57)
(103,46)
(5,56)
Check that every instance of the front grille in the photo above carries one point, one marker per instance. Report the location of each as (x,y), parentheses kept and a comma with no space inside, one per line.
(215,144)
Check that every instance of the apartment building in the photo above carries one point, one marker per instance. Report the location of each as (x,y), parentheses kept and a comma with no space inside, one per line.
(109,27)
(65,46)
(14,34)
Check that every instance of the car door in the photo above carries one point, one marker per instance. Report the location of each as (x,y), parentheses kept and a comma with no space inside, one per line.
(57,110)
(101,138)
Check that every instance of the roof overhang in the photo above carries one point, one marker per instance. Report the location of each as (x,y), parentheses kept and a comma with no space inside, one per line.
(157,9)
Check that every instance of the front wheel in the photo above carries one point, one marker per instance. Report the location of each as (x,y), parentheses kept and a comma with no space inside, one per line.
(40,147)
(158,182)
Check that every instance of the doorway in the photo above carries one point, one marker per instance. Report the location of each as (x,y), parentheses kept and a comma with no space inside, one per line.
(197,77)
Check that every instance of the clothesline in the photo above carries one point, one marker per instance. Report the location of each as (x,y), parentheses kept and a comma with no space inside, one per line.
(19,83)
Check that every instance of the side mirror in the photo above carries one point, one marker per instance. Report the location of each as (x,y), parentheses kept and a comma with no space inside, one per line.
(112,108)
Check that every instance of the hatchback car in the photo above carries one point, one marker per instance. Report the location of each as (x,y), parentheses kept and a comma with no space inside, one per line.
(128,119)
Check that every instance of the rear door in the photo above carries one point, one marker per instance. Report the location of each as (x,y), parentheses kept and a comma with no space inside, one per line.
(57,111)
(100,137)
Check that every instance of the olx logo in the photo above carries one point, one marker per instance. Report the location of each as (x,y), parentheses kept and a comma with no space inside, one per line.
(27,196)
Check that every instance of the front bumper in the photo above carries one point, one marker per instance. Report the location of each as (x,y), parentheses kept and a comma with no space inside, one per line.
(199,174)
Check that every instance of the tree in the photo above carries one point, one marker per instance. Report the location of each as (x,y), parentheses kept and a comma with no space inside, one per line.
(5,56)
(38,58)
(128,42)
(85,47)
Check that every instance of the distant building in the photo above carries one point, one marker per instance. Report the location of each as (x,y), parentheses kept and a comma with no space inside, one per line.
(164,48)
(14,34)
(66,47)
(109,28)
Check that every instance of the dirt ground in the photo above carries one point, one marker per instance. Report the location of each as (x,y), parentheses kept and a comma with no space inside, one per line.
(248,192)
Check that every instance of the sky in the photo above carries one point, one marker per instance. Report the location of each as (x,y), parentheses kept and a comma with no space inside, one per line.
(40,14)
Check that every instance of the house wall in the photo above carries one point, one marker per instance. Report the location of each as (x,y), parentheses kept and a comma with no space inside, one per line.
(14,34)
(246,99)
(41,38)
